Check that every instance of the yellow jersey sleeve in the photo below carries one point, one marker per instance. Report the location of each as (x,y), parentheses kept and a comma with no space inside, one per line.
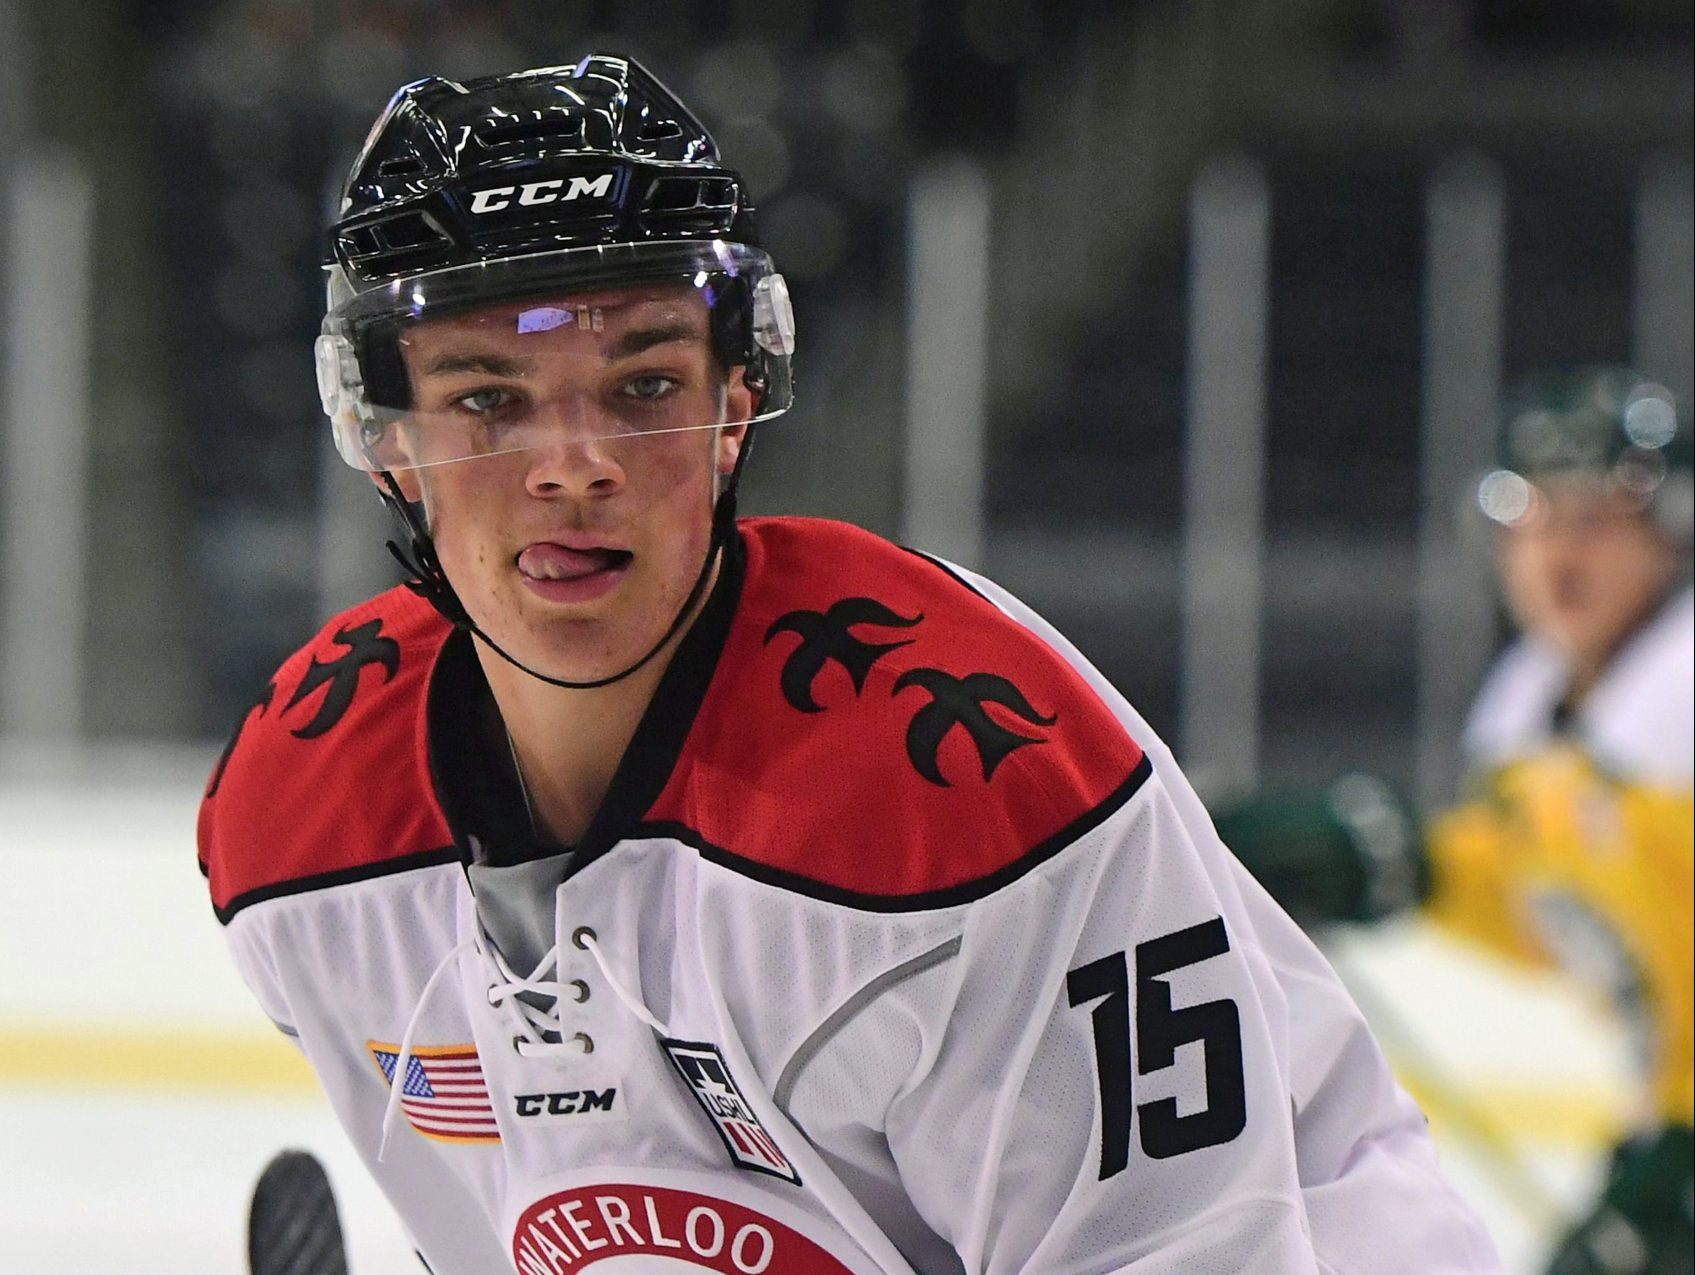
(1556,861)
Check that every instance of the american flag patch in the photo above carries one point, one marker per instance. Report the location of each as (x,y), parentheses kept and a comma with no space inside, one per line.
(443,1093)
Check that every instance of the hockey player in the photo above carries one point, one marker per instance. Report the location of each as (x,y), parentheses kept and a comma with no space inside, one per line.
(746,896)
(1577,844)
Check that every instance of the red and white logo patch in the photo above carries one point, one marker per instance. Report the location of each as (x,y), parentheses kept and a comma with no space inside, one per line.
(646,1230)
(748,1141)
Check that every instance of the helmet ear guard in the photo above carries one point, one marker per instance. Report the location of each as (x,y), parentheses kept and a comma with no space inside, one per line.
(773,316)
(752,322)
(340,385)
(352,383)
(770,339)
(341,392)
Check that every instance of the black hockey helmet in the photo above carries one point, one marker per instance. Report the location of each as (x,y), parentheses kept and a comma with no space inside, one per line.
(579,208)
(540,184)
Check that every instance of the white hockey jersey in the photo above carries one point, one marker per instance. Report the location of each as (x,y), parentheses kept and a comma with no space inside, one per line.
(1637,722)
(900,945)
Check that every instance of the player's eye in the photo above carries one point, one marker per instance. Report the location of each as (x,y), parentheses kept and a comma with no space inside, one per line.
(649,388)
(485,402)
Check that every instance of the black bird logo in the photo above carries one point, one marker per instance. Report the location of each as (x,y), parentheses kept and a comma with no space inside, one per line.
(958,701)
(365,645)
(824,636)
(259,705)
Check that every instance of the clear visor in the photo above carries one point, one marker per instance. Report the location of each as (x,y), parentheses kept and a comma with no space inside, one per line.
(554,349)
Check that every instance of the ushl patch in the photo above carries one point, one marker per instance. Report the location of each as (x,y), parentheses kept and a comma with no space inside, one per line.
(443,1092)
(708,1077)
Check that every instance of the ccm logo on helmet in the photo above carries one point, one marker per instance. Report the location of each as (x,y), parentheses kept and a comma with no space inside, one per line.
(494,198)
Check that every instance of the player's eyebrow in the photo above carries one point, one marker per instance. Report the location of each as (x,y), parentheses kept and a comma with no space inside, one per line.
(478,361)
(638,339)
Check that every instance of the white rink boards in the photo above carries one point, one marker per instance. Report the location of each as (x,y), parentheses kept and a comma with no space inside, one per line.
(141,1092)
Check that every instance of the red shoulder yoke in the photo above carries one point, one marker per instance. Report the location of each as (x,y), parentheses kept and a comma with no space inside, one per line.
(880,733)
(327,777)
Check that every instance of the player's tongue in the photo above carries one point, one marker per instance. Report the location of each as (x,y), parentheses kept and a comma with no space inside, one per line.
(547,561)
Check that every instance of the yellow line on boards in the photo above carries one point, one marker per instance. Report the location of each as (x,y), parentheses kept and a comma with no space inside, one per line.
(210,1062)
(188,1061)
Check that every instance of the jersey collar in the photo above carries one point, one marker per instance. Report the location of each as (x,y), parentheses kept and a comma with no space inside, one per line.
(471,762)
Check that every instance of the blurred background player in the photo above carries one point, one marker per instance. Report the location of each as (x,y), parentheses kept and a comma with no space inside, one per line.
(1572,845)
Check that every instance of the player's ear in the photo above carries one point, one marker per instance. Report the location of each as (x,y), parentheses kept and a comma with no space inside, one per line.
(739,399)
(739,407)
(730,440)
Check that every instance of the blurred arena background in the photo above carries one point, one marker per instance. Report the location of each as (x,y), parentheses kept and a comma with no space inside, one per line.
(1185,321)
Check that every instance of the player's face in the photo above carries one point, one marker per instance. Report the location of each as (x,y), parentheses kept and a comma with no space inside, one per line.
(576,551)
(1584,567)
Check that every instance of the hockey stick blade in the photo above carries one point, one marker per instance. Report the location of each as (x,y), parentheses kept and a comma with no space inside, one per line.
(293,1227)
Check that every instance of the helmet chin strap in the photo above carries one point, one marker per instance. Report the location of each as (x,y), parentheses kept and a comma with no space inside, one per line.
(428,580)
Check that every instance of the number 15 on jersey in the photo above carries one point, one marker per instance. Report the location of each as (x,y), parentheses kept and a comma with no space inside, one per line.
(1160,1028)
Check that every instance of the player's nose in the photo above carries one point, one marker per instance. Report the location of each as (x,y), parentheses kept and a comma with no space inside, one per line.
(580,467)
(574,450)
